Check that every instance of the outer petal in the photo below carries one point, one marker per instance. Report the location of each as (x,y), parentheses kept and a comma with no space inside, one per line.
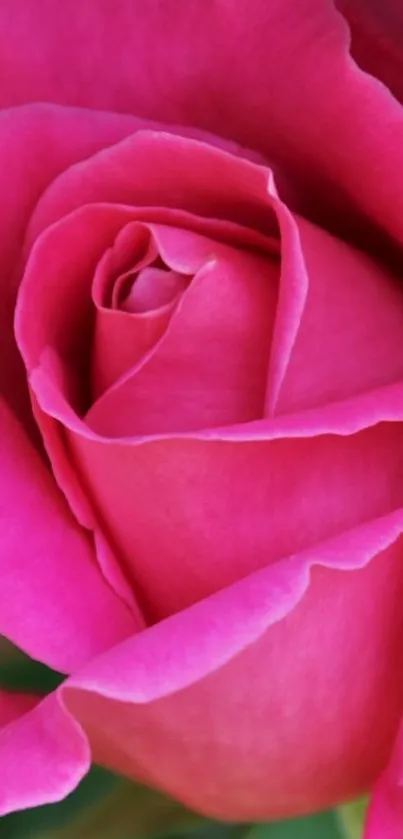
(43,755)
(258,73)
(295,721)
(54,602)
(377,39)
(209,724)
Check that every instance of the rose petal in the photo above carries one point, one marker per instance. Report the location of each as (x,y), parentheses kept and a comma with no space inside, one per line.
(385,814)
(160,724)
(210,368)
(349,334)
(36,143)
(43,756)
(168,171)
(202,489)
(129,466)
(309,728)
(61,320)
(256,73)
(377,37)
(12,705)
(54,602)
(152,289)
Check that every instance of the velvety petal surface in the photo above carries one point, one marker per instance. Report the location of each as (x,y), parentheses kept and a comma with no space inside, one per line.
(123,334)
(43,755)
(54,602)
(377,39)
(36,143)
(348,339)
(212,743)
(13,705)
(160,724)
(322,139)
(224,508)
(208,558)
(385,816)
(229,68)
(211,366)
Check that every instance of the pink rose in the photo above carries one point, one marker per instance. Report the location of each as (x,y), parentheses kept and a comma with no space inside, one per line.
(208,543)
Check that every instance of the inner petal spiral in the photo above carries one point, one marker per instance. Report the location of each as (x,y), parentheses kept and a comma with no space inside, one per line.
(134,293)
(183,331)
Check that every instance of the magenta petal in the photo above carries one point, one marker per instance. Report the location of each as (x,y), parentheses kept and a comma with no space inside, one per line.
(377,39)
(385,815)
(349,336)
(55,603)
(167,171)
(283,747)
(37,142)
(210,367)
(12,705)
(257,73)
(201,488)
(43,756)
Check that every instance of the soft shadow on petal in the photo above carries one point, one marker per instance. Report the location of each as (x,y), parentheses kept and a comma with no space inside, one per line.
(275,77)
(13,705)
(385,814)
(209,725)
(204,314)
(349,339)
(224,509)
(227,480)
(298,719)
(210,366)
(377,39)
(37,142)
(167,170)
(54,602)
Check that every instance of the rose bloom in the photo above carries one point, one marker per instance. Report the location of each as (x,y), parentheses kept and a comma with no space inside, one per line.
(202,400)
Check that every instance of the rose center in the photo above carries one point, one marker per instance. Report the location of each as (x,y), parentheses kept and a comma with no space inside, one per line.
(136,279)
(149,288)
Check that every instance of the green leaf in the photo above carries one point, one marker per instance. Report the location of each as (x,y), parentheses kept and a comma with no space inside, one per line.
(35,822)
(20,673)
(352,817)
(104,806)
(320,826)
(129,812)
